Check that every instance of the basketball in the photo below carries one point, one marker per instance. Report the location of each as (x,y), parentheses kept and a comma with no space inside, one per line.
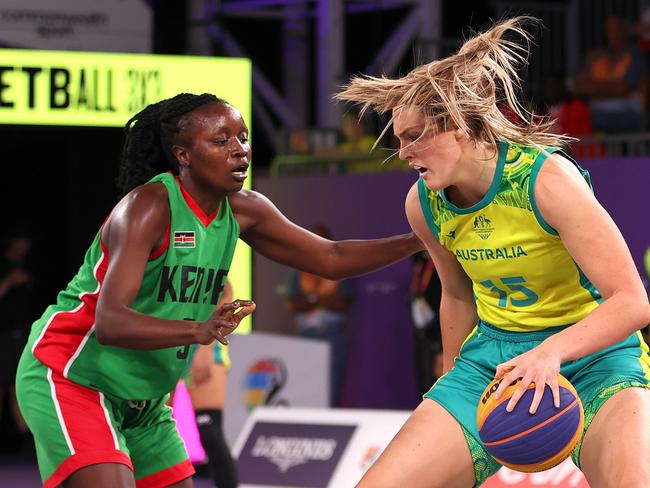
(526,442)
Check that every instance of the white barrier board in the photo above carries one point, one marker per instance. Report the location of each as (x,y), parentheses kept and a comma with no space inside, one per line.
(274,370)
(321,448)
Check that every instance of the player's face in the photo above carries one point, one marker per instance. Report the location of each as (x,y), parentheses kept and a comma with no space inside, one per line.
(217,152)
(434,154)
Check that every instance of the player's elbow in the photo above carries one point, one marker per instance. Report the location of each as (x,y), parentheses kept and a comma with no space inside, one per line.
(104,336)
(639,309)
(644,314)
(105,333)
(332,266)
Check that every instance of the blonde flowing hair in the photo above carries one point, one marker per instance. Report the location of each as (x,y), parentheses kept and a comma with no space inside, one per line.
(470,89)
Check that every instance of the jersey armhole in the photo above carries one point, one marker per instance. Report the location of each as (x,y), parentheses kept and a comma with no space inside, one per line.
(102,246)
(426,209)
(160,250)
(537,166)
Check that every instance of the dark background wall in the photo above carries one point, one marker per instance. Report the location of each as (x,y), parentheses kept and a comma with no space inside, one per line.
(59,184)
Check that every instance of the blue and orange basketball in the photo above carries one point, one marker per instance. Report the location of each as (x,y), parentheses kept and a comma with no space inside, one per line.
(526,442)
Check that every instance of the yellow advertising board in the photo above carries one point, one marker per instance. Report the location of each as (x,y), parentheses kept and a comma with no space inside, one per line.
(97,89)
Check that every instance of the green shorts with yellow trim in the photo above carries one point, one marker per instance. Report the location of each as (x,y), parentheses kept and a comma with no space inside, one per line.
(596,378)
(75,426)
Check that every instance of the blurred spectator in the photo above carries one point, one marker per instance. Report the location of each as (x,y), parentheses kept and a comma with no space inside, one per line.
(319,307)
(643,30)
(16,302)
(613,81)
(357,134)
(299,142)
(571,114)
(426,292)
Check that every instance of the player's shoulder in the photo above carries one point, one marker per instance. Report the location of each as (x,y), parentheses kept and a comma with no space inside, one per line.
(560,170)
(559,187)
(149,201)
(247,200)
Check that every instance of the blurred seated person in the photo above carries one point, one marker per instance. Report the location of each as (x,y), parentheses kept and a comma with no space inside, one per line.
(357,135)
(319,307)
(299,142)
(357,146)
(16,305)
(613,81)
(642,29)
(570,114)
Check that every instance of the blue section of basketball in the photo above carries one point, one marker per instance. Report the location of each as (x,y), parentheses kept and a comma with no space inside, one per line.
(534,446)
(541,444)
(501,424)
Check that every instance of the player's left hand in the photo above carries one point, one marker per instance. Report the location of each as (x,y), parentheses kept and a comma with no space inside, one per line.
(539,366)
(231,313)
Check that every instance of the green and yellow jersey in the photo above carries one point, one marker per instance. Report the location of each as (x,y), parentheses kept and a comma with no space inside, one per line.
(523,277)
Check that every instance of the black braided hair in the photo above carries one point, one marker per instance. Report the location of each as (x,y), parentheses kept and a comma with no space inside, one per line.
(150,135)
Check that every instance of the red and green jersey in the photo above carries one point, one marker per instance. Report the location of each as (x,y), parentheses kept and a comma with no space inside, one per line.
(182,281)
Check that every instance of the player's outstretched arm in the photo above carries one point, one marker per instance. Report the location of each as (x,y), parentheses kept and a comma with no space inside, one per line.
(457,306)
(270,233)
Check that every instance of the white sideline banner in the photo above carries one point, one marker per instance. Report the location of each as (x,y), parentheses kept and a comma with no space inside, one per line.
(303,447)
(333,448)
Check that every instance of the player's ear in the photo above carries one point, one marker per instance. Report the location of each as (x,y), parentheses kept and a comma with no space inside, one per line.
(182,155)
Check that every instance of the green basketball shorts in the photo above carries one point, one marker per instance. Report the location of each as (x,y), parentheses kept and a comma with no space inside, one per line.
(595,377)
(75,426)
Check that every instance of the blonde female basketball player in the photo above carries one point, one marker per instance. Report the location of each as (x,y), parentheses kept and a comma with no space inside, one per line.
(536,277)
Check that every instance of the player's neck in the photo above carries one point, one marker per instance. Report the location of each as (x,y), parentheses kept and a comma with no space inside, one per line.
(477,167)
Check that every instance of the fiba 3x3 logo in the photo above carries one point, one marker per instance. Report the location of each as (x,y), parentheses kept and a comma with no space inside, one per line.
(263,382)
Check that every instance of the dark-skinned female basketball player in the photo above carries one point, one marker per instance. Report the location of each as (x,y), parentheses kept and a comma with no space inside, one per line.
(97,370)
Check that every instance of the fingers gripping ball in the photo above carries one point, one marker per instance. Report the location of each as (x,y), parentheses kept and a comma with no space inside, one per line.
(530,442)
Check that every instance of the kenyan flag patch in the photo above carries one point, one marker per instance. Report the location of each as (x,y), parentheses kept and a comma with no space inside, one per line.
(184,238)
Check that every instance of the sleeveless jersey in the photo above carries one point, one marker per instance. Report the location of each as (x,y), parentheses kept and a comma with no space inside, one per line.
(523,277)
(182,281)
